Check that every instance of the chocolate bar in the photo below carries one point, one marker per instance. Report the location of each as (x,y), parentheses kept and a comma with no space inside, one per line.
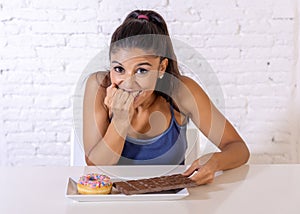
(154,184)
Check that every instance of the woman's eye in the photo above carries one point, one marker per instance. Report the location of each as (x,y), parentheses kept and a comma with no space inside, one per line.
(118,69)
(142,71)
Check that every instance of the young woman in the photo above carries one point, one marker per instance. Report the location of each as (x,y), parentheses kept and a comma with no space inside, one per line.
(137,112)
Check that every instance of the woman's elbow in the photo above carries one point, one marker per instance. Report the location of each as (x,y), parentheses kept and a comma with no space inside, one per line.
(246,154)
(109,163)
(89,162)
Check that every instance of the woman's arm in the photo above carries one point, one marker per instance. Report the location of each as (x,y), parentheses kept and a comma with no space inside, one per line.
(216,128)
(103,142)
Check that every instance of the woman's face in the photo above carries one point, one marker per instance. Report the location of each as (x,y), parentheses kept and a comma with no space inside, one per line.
(136,71)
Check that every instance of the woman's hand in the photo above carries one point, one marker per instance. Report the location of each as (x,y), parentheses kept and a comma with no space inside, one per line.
(110,92)
(205,168)
(120,106)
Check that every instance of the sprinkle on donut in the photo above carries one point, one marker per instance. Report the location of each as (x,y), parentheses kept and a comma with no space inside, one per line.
(94,180)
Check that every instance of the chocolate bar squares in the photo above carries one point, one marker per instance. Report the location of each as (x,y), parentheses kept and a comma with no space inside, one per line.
(155,184)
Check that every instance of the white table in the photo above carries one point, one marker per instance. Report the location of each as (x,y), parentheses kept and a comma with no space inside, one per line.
(249,189)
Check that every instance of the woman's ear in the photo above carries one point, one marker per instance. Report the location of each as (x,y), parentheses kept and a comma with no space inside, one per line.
(163,66)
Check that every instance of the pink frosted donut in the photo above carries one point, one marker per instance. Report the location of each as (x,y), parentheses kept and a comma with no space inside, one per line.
(94,183)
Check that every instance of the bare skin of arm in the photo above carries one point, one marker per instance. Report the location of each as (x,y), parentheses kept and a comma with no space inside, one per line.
(103,140)
(234,152)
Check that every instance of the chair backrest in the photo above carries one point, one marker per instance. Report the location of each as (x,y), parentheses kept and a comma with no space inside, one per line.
(77,151)
(193,141)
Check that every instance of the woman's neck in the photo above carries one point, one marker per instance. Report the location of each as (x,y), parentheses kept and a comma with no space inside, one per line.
(146,105)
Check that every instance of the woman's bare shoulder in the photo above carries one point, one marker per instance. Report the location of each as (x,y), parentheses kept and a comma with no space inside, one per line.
(96,81)
(94,86)
(97,78)
(190,94)
(190,86)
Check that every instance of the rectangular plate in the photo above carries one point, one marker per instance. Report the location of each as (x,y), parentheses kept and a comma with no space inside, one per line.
(72,193)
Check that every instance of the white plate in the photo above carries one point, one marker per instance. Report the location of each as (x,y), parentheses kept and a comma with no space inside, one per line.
(72,193)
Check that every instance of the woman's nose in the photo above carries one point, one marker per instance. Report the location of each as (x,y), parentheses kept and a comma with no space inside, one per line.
(129,83)
(127,76)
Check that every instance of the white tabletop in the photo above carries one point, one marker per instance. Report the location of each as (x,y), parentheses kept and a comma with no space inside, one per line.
(248,189)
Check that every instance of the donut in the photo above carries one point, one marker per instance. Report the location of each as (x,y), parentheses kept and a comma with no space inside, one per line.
(94,183)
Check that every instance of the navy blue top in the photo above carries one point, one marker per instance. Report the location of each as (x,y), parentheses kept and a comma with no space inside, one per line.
(167,148)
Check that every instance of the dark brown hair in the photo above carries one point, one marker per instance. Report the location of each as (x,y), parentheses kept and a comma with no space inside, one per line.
(150,35)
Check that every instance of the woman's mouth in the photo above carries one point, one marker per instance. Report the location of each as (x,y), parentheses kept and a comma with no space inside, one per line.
(136,94)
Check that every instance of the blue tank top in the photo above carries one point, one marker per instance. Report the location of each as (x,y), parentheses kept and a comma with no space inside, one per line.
(167,148)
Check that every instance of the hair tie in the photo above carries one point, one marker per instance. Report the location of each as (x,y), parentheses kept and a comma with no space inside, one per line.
(143,17)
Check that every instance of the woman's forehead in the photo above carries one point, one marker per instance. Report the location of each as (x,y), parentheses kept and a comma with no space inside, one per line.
(135,54)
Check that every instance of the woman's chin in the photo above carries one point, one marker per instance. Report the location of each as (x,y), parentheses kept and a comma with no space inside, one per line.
(136,102)
(137,99)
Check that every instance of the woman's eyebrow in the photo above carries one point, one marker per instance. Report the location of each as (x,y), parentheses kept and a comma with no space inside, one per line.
(116,62)
(144,63)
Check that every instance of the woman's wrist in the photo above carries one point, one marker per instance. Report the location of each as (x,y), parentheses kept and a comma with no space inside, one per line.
(234,155)
(120,127)
(213,159)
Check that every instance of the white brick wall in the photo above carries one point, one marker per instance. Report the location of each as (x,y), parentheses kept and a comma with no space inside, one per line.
(295,112)
(253,47)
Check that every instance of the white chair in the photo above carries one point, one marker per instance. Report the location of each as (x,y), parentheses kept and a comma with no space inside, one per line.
(77,151)
(193,149)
